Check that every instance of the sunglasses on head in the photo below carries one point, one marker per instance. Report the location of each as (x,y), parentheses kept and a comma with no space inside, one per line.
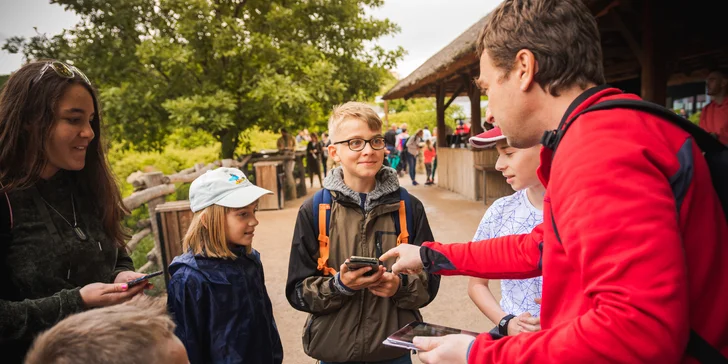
(63,70)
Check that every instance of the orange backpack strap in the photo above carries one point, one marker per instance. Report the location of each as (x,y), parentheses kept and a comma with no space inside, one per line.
(323,211)
(403,237)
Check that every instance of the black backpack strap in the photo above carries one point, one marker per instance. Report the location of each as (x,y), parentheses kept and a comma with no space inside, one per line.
(705,141)
(701,350)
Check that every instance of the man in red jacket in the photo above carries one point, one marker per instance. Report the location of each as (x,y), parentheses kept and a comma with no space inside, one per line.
(634,246)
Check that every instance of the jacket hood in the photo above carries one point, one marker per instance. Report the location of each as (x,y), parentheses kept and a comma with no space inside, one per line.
(387,182)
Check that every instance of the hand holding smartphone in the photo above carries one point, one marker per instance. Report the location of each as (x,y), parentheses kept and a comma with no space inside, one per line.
(358,262)
(136,281)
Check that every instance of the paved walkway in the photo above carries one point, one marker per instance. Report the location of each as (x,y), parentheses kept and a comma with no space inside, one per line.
(452,219)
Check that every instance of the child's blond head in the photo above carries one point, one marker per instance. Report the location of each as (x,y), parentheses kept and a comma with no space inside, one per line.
(355,110)
(206,234)
(212,196)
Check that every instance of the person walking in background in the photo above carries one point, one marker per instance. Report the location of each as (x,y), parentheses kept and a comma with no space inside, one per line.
(402,150)
(313,158)
(429,154)
(426,134)
(413,149)
(390,142)
(324,148)
(286,143)
(714,117)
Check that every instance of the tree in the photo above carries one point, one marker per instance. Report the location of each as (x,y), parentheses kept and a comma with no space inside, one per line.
(221,66)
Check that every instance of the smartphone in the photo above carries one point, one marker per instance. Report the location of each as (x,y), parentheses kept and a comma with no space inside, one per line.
(357,262)
(136,281)
(402,338)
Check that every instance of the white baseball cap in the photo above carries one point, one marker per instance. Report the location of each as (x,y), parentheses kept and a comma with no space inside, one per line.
(225,187)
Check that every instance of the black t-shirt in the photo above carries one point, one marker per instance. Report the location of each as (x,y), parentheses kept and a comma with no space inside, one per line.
(390,138)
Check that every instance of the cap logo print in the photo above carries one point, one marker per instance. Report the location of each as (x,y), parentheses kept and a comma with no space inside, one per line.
(236,179)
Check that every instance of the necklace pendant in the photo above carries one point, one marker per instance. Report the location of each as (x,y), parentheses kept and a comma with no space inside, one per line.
(81,235)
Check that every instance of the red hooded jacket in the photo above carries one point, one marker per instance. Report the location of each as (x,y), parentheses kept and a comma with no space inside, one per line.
(644,256)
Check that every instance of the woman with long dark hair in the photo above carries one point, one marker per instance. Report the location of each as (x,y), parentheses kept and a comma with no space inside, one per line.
(61,239)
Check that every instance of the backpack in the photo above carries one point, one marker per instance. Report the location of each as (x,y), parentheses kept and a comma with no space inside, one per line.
(403,142)
(403,218)
(716,156)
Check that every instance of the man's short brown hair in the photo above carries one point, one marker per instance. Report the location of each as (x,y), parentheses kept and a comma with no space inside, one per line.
(352,109)
(134,332)
(562,35)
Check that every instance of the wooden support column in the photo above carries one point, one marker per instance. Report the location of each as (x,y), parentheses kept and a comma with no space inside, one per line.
(386,113)
(150,180)
(655,53)
(475,116)
(440,111)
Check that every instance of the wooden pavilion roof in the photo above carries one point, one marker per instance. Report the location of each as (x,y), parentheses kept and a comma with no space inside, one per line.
(695,32)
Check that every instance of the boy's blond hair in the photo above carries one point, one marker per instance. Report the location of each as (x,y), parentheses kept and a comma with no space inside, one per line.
(206,234)
(353,109)
(132,332)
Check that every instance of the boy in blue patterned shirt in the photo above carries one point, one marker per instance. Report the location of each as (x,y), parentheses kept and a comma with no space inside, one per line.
(518,213)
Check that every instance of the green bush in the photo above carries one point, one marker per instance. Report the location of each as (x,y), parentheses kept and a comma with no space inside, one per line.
(171,160)
(139,255)
(695,118)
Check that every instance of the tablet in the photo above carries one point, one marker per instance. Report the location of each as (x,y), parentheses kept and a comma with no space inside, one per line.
(403,337)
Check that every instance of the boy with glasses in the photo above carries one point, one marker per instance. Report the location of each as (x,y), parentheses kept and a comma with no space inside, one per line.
(353,311)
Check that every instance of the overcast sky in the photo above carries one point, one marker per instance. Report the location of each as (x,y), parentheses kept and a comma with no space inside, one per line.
(426,25)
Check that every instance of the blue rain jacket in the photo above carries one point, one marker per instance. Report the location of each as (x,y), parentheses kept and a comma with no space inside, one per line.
(222,309)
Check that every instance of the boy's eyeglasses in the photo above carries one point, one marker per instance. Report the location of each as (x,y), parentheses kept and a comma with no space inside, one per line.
(358,144)
(62,70)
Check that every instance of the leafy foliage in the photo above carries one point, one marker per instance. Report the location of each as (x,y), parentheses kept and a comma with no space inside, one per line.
(219,66)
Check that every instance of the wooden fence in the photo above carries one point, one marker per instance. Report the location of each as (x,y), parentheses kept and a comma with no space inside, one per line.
(150,189)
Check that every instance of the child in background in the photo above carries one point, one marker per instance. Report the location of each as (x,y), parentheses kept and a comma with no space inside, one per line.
(217,293)
(429,154)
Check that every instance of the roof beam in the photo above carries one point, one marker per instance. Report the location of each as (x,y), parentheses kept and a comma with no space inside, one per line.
(455,94)
(601,7)
(628,35)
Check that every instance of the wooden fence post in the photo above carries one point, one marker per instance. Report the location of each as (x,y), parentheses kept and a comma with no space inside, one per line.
(290,185)
(150,180)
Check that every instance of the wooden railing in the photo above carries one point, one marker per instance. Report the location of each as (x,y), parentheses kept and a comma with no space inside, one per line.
(150,189)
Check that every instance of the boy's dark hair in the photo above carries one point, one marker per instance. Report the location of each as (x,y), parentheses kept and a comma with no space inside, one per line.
(562,35)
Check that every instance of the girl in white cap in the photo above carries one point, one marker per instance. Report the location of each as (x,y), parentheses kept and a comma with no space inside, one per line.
(217,292)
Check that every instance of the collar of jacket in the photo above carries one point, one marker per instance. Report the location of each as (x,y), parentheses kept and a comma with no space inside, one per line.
(387,182)
(213,269)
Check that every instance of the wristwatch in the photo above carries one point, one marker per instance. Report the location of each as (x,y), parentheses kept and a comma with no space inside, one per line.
(503,324)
